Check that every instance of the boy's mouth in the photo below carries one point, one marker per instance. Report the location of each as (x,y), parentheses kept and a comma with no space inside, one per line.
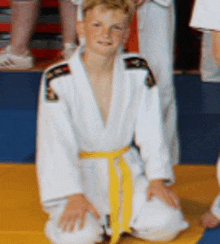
(104,43)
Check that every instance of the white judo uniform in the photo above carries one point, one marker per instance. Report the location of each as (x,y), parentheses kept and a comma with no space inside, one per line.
(209,69)
(69,121)
(156,42)
(215,208)
(206,17)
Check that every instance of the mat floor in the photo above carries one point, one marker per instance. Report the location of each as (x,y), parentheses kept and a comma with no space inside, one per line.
(22,220)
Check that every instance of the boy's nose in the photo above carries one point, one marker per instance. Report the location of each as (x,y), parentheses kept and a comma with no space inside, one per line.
(106,32)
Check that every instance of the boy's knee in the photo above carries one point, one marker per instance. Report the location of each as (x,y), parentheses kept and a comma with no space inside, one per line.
(79,237)
(159,222)
(90,234)
(169,217)
(168,226)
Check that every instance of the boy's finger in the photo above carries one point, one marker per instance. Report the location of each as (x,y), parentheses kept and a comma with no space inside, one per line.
(149,195)
(171,199)
(168,199)
(94,212)
(64,225)
(61,221)
(82,220)
(174,202)
(72,224)
(177,202)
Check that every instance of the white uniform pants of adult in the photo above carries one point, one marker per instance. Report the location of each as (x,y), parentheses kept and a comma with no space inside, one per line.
(156,39)
(155,221)
(210,72)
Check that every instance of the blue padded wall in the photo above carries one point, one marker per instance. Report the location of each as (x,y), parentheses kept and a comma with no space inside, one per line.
(198,117)
(18,106)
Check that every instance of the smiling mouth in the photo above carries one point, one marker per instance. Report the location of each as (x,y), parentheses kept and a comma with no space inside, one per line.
(105,43)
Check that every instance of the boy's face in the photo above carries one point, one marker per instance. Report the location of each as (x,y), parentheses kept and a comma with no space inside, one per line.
(105,30)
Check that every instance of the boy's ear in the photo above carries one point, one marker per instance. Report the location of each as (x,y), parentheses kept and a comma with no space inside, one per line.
(80,29)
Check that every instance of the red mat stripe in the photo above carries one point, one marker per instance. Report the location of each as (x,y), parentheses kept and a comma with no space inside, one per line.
(45,3)
(41,27)
(132,44)
(45,54)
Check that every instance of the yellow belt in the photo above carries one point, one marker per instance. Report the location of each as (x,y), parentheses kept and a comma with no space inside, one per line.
(116,184)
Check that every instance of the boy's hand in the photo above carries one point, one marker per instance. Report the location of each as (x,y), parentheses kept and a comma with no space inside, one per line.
(75,210)
(209,220)
(158,188)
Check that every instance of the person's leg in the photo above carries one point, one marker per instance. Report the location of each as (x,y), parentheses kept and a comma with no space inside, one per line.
(68,14)
(90,234)
(158,222)
(209,69)
(216,46)
(23,19)
(156,39)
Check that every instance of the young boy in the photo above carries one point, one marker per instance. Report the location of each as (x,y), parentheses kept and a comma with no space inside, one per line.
(91,107)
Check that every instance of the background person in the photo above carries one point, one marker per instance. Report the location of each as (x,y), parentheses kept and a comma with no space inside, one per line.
(24,14)
(206,17)
(156,44)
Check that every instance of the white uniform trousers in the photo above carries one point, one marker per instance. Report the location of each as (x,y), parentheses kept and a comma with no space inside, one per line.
(154,221)
(156,40)
(210,71)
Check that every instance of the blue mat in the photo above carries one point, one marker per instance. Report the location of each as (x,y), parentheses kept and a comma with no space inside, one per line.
(18,107)
(198,117)
(210,236)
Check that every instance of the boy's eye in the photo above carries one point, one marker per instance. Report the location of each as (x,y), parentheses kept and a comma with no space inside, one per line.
(116,27)
(96,24)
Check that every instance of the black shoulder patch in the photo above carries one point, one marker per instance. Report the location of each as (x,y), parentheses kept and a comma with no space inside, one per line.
(150,79)
(136,63)
(50,75)
(140,63)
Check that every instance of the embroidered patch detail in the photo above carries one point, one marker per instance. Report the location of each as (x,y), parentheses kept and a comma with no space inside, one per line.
(140,63)
(50,75)
(150,79)
(136,62)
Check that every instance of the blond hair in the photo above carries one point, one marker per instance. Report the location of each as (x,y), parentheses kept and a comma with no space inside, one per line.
(127,6)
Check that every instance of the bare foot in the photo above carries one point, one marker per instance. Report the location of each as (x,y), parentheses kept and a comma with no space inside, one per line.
(209,220)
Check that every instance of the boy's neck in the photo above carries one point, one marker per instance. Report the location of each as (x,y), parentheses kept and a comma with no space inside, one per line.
(98,63)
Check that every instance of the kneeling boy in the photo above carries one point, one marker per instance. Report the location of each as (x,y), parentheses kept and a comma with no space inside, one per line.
(91,108)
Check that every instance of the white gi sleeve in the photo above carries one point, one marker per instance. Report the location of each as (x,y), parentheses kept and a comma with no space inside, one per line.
(77,2)
(205,15)
(57,152)
(215,208)
(149,137)
(163,3)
